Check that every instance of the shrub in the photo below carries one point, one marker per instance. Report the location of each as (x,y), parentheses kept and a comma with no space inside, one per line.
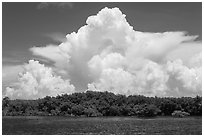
(90,112)
(147,110)
(178,113)
(77,110)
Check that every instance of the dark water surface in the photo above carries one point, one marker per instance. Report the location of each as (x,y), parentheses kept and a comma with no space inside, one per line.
(34,125)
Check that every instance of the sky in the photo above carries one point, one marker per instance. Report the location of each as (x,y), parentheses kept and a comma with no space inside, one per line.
(152,49)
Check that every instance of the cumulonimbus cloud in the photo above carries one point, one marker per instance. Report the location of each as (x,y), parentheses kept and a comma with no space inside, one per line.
(108,54)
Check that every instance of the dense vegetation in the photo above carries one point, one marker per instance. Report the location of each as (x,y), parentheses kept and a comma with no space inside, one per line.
(93,104)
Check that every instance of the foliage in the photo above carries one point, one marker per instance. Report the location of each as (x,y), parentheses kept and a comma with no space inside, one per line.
(178,113)
(94,104)
(147,110)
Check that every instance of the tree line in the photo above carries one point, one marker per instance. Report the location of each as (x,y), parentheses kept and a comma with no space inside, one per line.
(95,104)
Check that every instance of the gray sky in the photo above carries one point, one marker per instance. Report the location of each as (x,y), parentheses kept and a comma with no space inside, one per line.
(26,25)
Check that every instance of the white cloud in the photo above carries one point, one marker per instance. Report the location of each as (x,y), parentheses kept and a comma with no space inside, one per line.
(185,51)
(108,50)
(115,80)
(190,79)
(150,81)
(53,53)
(9,70)
(38,81)
(99,62)
(10,75)
(196,60)
(155,46)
